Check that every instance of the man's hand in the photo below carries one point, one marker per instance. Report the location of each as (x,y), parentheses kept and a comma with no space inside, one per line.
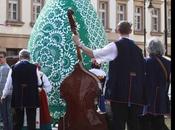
(39,89)
(85,49)
(76,40)
(2,99)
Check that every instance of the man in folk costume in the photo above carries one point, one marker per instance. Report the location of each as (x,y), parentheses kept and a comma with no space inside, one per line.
(158,71)
(46,87)
(126,76)
(23,80)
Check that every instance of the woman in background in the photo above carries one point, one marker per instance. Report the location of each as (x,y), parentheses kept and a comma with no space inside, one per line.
(46,87)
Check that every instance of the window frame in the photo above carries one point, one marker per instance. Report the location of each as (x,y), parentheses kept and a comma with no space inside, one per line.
(124,13)
(103,11)
(17,21)
(169,22)
(11,11)
(141,19)
(41,4)
(106,24)
(12,51)
(158,17)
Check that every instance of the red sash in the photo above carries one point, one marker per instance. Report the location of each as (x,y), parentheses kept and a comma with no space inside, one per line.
(45,117)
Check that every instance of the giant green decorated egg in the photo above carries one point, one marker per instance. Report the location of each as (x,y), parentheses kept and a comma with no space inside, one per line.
(51,43)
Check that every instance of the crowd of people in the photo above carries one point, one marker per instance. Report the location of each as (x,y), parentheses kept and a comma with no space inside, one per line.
(136,87)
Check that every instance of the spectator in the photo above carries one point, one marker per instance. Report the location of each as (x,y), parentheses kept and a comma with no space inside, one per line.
(5,105)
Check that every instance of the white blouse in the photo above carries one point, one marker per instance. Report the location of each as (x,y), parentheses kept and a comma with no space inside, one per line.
(46,83)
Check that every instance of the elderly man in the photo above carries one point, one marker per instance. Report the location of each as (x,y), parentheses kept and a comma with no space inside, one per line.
(23,80)
(158,72)
(5,109)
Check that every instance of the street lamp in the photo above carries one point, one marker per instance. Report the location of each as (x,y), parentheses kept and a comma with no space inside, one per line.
(165,31)
(150,6)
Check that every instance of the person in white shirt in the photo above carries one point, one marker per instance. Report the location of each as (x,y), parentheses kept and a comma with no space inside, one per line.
(44,89)
(124,87)
(101,75)
(44,79)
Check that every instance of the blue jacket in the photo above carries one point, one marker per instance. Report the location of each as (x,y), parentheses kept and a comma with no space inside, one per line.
(157,86)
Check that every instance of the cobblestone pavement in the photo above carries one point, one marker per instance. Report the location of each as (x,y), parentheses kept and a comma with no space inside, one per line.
(167,120)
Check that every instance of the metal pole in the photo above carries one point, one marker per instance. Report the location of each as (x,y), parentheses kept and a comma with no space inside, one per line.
(165,31)
(144,28)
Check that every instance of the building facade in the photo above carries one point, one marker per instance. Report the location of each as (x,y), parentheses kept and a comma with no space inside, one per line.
(17,18)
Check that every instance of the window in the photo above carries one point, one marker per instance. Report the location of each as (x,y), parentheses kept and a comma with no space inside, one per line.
(121,12)
(12,52)
(138,19)
(169,22)
(156,20)
(13,10)
(36,9)
(14,13)
(12,56)
(103,12)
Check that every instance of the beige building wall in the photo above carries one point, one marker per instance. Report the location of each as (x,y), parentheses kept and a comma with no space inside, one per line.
(17,36)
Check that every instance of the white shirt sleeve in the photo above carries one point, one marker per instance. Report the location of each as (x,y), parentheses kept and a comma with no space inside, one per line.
(106,54)
(46,84)
(38,77)
(8,85)
(98,72)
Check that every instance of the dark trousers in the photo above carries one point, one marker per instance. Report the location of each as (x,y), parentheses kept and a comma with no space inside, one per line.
(6,114)
(151,122)
(18,118)
(122,114)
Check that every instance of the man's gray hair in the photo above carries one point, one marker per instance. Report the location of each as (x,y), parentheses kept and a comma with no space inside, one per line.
(24,54)
(155,47)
